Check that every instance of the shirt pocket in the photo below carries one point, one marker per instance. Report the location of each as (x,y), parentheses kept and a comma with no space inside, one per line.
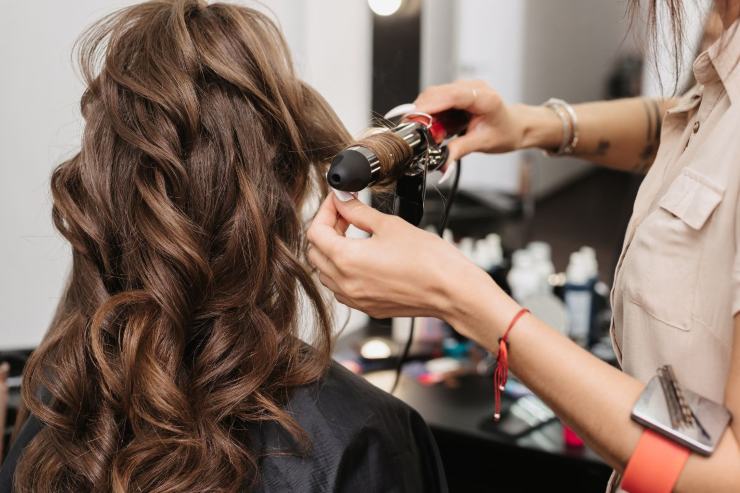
(665,255)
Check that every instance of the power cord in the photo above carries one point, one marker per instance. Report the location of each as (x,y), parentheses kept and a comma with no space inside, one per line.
(440,231)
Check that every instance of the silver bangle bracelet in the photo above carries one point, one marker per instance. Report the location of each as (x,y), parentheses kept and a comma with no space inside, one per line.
(568,117)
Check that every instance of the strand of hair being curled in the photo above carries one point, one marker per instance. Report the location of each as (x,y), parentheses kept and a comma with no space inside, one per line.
(178,328)
(392,152)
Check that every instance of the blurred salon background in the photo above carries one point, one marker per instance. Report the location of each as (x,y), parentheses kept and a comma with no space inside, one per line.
(514,211)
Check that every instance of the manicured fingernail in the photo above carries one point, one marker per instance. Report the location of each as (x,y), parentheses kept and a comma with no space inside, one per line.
(448,172)
(400,110)
(344,196)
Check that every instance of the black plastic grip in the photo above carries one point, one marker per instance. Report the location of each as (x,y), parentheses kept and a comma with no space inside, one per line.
(349,171)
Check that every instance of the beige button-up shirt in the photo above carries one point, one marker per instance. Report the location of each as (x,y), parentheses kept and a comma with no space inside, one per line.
(677,282)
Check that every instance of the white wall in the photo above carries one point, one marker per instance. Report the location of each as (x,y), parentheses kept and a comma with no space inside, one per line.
(439,42)
(40,126)
(490,47)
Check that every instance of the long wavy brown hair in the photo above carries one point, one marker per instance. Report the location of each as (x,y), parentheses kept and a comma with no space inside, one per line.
(178,328)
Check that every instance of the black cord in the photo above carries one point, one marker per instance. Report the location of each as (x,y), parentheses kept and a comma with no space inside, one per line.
(440,231)
(450,200)
(404,356)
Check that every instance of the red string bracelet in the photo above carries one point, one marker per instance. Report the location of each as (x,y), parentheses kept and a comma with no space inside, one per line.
(501,374)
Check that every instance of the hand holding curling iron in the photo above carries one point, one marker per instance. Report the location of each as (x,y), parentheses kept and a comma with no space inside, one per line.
(495,127)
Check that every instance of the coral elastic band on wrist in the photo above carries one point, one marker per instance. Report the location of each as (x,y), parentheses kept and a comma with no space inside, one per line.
(502,364)
(655,465)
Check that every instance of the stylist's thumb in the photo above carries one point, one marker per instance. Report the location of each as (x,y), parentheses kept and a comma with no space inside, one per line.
(360,215)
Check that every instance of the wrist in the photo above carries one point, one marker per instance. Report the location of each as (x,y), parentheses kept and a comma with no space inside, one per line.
(541,127)
(477,307)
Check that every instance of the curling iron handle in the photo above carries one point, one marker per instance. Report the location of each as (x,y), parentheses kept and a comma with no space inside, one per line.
(454,121)
(445,124)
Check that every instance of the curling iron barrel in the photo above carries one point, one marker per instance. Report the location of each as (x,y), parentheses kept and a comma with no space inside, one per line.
(358,166)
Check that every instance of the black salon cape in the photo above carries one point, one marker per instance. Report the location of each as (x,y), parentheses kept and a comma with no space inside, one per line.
(362,440)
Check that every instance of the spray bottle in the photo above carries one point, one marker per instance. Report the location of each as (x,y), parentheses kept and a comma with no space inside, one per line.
(578,295)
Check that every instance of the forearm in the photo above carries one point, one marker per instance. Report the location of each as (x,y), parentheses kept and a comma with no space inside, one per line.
(622,134)
(594,398)
(590,395)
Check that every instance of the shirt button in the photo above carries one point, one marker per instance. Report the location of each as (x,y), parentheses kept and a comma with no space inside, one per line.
(696,126)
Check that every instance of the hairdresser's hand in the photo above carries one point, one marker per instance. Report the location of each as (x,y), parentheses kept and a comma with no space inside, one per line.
(496,127)
(398,271)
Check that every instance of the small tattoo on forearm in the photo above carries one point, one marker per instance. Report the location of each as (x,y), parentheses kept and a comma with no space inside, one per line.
(647,156)
(602,147)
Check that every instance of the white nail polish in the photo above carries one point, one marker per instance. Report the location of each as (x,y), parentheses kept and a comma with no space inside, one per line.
(344,196)
(448,172)
(400,110)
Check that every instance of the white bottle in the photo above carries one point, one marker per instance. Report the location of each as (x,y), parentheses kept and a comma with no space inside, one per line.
(578,294)
(495,250)
(540,251)
(530,288)
(524,280)
(481,255)
(588,255)
(467,247)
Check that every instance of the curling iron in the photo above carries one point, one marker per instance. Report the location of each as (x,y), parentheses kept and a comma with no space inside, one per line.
(358,167)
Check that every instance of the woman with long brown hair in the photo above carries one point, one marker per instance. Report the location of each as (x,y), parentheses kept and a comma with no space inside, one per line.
(676,293)
(174,361)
